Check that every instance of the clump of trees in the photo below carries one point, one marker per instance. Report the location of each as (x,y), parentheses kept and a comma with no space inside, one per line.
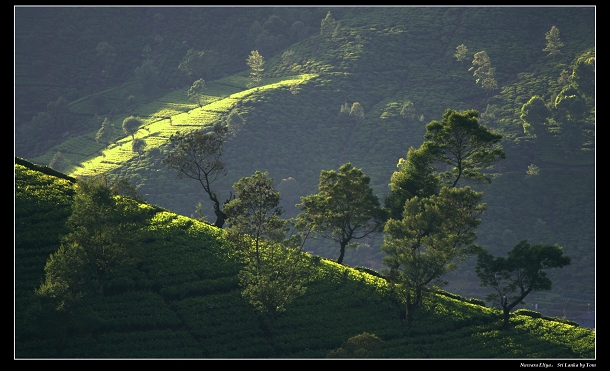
(103,231)
(433,222)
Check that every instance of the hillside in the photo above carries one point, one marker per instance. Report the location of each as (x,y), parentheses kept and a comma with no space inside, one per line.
(380,57)
(182,300)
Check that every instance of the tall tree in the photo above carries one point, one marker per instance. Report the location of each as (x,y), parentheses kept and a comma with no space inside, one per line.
(131,125)
(107,54)
(195,92)
(433,233)
(196,155)
(458,140)
(553,43)
(328,26)
(484,72)
(275,269)
(256,61)
(521,273)
(104,225)
(344,209)
(460,52)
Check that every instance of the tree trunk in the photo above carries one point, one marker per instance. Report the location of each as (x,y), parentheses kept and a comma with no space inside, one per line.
(342,254)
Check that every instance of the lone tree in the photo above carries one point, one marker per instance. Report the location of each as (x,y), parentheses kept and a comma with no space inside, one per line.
(460,141)
(195,92)
(196,155)
(276,269)
(484,72)
(553,43)
(131,125)
(255,62)
(518,275)
(104,135)
(344,209)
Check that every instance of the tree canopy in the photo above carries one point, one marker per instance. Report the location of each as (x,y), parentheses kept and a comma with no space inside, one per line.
(131,125)
(521,273)
(344,209)
(459,141)
(196,155)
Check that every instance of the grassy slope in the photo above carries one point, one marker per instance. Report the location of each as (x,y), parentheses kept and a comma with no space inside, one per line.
(183,301)
(381,59)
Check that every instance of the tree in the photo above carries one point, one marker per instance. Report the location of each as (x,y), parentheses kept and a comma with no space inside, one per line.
(433,233)
(415,177)
(460,52)
(234,122)
(131,125)
(147,75)
(59,110)
(199,64)
(357,112)
(583,74)
(364,345)
(106,53)
(344,209)
(138,146)
(521,273)
(59,162)
(534,115)
(553,43)
(255,62)
(328,26)
(484,72)
(104,135)
(196,155)
(459,141)
(195,92)
(104,225)
(275,269)
(59,303)
(408,110)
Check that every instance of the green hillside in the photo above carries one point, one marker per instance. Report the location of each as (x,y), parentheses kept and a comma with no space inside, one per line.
(182,300)
(380,57)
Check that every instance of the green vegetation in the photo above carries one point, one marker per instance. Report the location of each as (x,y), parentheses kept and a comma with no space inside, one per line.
(394,69)
(183,300)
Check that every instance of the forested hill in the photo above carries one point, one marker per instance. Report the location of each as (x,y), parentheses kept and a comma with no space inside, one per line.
(81,69)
